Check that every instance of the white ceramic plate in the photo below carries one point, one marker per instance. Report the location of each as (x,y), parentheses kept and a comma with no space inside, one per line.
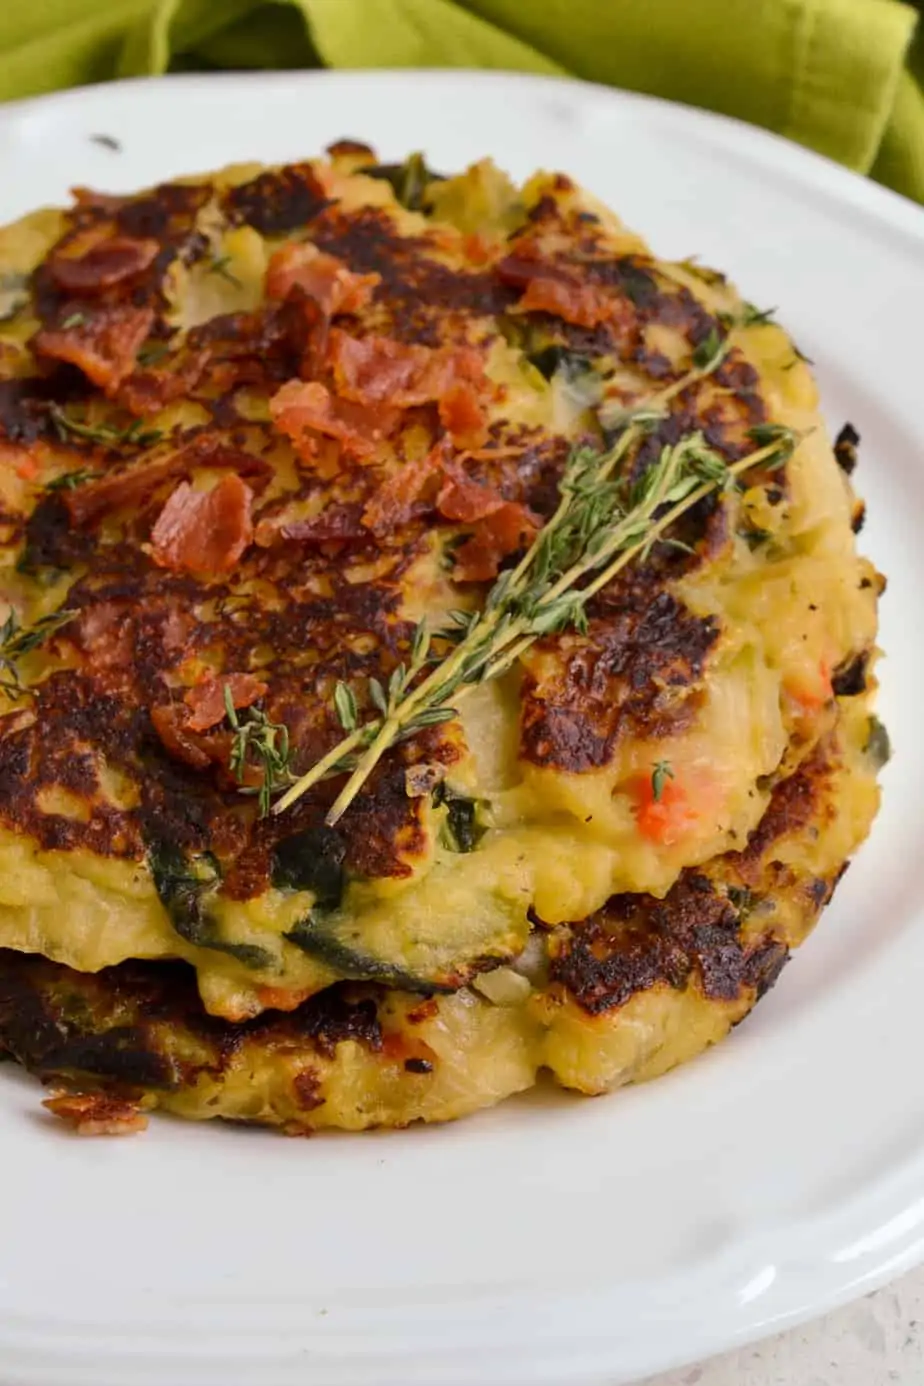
(555,1239)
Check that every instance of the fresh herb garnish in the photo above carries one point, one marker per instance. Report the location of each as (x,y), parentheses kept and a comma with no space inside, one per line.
(17,640)
(219,265)
(711,350)
(74,320)
(69,481)
(755,317)
(661,772)
(134,435)
(774,435)
(261,744)
(604,520)
(797,357)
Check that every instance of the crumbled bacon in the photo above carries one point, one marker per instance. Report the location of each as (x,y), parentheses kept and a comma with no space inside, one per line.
(551,288)
(337,524)
(324,278)
(103,344)
(303,405)
(462,416)
(582,304)
(148,390)
(204,532)
(380,370)
(97,1114)
(465,500)
(207,700)
(105,264)
(392,503)
(495,537)
(137,482)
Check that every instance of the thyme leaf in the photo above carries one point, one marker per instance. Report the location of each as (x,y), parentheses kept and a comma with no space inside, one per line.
(219,265)
(660,772)
(258,743)
(69,481)
(17,640)
(107,435)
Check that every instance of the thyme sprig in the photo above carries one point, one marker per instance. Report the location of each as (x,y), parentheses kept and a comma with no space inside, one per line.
(69,481)
(258,744)
(135,434)
(17,640)
(604,520)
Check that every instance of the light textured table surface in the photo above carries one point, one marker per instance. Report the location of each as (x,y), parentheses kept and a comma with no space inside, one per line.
(879,1341)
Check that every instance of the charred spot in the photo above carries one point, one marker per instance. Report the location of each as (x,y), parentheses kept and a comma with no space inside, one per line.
(50,542)
(280,200)
(165,213)
(793,804)
(637,942)
(849,680)
(414,1065)
(764,966)
(845,448)
(392,828)
(333,1016)
(635,675)
(625,274)
(24,414)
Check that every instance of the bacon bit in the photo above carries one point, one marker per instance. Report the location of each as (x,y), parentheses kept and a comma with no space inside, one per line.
(467,501)
(393,502)
(108,263)
(582,304)
(324,278)
(462,416)
(199,750)
(147,391)
(104,347)
(207,700)
(553,289)
(337,524)
(171,722)
(301,405)
(95,1114)
(380,370)
(204,532)
(501,533)
(135,483)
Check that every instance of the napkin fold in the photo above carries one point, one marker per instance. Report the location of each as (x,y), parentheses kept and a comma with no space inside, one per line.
(845,77)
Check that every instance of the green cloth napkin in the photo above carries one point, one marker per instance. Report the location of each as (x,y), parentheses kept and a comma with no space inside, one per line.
(845,77)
